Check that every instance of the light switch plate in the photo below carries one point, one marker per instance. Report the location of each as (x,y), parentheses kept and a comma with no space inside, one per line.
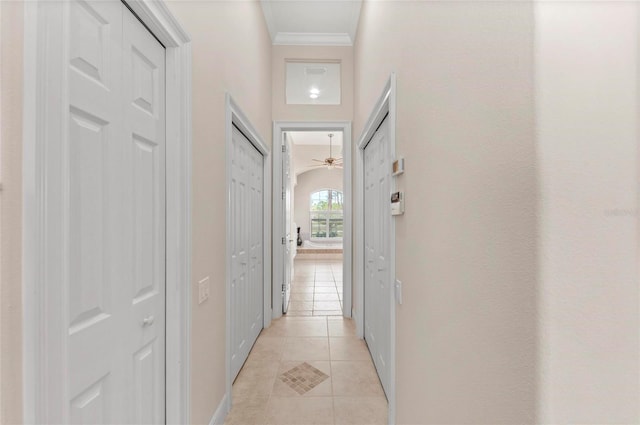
(203,290)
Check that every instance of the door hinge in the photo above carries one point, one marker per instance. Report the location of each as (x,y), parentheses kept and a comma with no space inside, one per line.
(284,240)
(284,195)
(284,148)
(284,287)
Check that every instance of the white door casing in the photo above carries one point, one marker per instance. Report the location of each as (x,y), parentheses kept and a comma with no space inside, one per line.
(94,249)
(246,215)
(288,239)
(280,127)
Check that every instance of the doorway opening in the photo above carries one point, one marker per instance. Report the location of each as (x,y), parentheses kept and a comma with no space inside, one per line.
(314,214)
(312,219)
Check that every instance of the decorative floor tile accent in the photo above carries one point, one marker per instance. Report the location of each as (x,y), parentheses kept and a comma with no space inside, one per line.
(303,378)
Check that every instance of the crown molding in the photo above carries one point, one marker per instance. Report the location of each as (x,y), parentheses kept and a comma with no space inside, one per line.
(312,39)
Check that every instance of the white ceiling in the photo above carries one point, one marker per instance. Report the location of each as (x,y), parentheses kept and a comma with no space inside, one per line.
(312,22)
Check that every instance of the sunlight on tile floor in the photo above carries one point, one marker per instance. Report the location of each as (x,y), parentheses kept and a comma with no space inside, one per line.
(308,370)
(316,288)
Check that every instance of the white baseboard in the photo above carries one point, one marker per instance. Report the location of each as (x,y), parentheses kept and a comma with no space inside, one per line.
(220,413)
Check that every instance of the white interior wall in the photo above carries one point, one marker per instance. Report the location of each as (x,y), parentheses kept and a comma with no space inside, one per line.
(466,251)
(231,51)
(587,126)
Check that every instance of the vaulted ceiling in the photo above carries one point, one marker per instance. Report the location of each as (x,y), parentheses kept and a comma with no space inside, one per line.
(310,145)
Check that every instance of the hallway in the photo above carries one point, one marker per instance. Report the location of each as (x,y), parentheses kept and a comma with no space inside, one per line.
(313,342)
(341,383)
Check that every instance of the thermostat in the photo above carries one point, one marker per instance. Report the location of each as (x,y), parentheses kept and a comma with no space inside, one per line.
(397,203)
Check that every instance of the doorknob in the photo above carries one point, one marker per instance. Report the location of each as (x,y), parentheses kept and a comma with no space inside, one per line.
(147,321)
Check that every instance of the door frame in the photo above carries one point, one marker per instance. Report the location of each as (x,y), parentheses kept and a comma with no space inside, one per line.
(234,115)
(279,127)
(386,104)
(43,79)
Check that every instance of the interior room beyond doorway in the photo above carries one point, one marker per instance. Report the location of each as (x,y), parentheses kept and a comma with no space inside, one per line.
(317,223)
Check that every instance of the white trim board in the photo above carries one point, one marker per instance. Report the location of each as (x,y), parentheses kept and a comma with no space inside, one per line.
(221,412)
(279,127)
(234,115)
(312,39)
(43,81)
(386,104)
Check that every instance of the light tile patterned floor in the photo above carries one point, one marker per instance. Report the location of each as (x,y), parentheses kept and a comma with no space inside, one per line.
(350,394)
(316,288)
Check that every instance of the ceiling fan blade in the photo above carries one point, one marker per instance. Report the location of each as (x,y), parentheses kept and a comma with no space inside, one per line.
(317,160)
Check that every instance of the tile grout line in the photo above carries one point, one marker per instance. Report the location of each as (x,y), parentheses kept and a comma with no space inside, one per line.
(333,398)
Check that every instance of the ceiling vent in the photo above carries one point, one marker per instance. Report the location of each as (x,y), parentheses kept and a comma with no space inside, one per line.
(315,70)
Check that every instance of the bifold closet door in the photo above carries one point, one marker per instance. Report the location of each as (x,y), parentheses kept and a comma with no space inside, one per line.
(247,264)
(377,223)
(111,239)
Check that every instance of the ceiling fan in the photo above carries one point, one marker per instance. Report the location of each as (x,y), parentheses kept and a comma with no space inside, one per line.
(329,162)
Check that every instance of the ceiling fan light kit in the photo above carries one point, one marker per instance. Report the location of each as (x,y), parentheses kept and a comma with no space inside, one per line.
(329,162)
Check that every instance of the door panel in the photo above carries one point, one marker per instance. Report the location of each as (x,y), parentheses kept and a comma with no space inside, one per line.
(90,406)
(145,366)
(144,218)
(94,271)
(377,287)
(247,265)
(114,240)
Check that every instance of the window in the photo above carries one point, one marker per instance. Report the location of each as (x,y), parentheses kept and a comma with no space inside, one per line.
(326,214)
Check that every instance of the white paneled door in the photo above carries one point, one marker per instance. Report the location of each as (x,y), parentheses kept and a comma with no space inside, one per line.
(378,294)
(247,208)
(112,239)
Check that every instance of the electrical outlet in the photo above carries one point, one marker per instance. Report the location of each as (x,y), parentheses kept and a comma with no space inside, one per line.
(203,290)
